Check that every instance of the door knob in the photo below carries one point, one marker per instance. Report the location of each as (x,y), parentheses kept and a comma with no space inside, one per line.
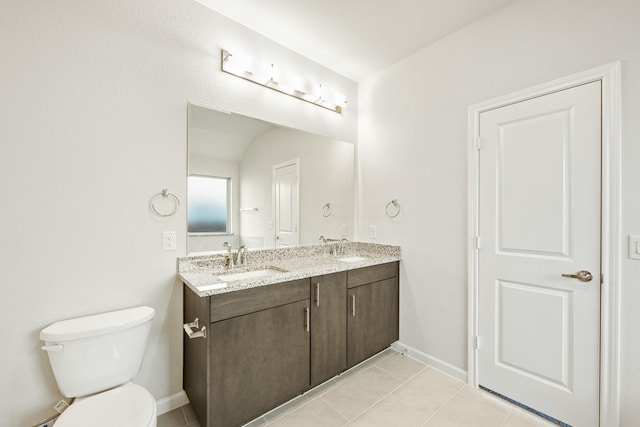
(582,275)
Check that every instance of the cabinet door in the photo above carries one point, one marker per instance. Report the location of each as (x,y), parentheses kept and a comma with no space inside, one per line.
(328,326)
(258,361)
(372,319)
(196,355)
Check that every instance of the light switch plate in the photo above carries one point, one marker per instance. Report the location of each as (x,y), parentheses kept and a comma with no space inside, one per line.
(373,231)
(634,247)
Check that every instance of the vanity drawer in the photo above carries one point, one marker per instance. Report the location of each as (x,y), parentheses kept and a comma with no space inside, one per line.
(232,304)
(374,273)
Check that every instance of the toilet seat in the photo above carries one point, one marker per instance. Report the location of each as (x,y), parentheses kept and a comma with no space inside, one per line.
(128,405)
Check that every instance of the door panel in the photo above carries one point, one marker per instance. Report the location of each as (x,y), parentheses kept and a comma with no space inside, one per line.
(266,352)
(539,217)
(285,195)
(528,187)
(517,303)
(328,326)
(372,320)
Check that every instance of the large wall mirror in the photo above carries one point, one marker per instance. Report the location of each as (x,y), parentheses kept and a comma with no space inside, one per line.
(261,185)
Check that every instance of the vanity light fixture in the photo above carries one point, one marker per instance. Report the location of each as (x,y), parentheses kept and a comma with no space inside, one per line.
(272,77)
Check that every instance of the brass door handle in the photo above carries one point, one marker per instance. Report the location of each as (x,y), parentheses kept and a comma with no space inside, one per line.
(582,275)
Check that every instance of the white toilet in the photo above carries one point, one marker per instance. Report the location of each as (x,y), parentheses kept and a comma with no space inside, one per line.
(93,359)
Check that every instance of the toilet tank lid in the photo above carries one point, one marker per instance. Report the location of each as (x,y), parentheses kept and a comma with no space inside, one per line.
(97,324)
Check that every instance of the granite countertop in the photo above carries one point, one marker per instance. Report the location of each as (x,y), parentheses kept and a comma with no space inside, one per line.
(201,273)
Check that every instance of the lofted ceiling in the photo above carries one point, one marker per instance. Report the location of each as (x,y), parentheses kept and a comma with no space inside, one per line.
(355,38)
(224,135)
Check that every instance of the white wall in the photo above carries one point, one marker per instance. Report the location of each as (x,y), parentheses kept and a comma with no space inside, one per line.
(413,147)
(326,176)
(93,123)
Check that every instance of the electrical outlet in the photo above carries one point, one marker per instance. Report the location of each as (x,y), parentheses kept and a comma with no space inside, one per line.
(343,230)
(373,231)
(168,240)
(61,406)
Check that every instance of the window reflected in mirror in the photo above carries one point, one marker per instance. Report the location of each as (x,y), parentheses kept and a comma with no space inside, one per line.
(208,204)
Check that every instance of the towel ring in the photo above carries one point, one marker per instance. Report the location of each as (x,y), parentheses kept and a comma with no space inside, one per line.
(395,211)
(164,194)
(326,210)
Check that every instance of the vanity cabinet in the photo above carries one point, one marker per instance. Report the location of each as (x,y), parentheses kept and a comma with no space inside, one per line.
(255,355)
(373,310)
(328,326)
(263,346)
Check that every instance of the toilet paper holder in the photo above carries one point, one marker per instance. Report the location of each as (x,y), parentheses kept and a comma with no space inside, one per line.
(202,333)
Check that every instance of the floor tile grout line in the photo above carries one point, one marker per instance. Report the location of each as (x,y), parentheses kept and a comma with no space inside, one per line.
(339,379)
(345,380)
(361,368)
(445,403)
(388,394)
(402,383)
(184,416)
(400,379)
(336,410)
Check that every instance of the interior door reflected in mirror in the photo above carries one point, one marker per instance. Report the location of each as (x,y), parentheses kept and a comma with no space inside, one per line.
(262,185)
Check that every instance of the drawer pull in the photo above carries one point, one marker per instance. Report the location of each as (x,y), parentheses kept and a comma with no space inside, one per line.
(318,294)
(306,319)
(202,333)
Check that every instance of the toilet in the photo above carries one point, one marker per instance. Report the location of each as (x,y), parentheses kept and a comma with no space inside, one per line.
(94,359)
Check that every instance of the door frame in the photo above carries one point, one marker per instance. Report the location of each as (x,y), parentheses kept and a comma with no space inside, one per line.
(610,76)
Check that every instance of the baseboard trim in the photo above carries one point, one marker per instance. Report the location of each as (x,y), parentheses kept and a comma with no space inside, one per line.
(168,404)
(434,362)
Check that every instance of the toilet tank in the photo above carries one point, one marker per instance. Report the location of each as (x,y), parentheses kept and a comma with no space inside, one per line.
(95,353)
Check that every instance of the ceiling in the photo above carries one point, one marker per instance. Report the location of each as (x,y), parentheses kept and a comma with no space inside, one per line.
(222,135)
(355,38)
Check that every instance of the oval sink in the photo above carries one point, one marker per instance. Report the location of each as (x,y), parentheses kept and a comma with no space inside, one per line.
(251,274)
(353,259)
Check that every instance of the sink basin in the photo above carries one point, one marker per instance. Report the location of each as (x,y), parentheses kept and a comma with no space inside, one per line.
(353,259)
(251,274)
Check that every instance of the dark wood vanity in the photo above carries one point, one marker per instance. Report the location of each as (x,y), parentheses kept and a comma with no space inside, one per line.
(268,344)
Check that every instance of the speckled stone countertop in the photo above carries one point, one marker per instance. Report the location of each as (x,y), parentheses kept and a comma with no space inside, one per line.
(201,272)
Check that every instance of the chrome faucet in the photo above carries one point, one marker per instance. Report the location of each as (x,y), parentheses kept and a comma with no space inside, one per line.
(228,260)
(241,255)
(337,249)
(341,245)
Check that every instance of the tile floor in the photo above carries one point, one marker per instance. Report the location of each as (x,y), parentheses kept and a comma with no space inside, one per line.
(389,389)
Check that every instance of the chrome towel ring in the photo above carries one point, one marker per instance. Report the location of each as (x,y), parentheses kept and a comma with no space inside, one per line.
(393,209)
(165,194)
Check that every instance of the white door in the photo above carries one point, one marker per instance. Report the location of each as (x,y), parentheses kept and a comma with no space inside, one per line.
(539,218)
(285,203)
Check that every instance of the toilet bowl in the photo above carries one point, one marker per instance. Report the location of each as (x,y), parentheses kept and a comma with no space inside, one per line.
(129,405)
(93,360)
